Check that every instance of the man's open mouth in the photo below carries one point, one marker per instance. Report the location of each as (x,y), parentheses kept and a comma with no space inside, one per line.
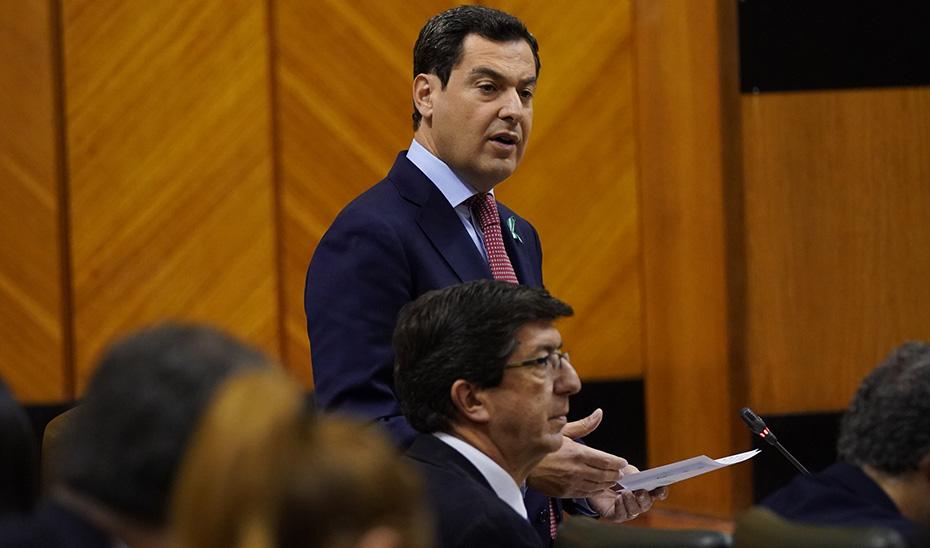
(505,139)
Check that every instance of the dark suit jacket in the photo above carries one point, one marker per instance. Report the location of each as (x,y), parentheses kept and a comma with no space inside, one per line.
(842,494)
(396,241)
(52,526)
(467,510)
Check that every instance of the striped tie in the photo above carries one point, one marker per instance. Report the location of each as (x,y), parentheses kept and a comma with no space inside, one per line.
(484,208)
(553,524)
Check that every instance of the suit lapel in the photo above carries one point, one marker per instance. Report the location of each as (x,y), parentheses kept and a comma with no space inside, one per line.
(517,251)
(439,221)
(443,227)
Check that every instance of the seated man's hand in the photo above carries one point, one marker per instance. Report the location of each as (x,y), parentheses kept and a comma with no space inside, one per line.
(620,506)
(576,470)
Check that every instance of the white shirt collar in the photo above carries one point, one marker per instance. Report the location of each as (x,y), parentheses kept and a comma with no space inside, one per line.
(454,189)
(501,482)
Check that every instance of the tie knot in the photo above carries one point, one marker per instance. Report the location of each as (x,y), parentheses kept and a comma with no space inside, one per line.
(484,207)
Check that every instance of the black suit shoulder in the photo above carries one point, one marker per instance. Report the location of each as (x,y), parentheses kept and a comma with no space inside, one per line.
(52,526)
(468,512)
(842,494)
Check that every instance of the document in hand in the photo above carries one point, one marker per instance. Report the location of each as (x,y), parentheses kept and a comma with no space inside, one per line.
(678,471)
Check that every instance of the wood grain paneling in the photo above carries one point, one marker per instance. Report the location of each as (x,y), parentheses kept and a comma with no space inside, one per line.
(692,383)
(32,339)
(837,190)
(169,142)
(577,183)
(344,112)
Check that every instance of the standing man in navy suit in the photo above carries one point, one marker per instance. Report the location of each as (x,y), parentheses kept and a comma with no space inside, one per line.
(475,73)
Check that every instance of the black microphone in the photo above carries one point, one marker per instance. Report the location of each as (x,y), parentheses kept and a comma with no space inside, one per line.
(758,427)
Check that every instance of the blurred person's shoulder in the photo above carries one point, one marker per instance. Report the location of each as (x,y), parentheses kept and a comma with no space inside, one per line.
(52,526)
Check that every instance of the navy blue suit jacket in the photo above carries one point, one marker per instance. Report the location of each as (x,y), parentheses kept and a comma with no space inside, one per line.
(467,510)
(398,240)
(52,526)
(842,494)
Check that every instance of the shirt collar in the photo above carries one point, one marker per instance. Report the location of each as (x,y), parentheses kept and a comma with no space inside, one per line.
(454,189)
(501,482)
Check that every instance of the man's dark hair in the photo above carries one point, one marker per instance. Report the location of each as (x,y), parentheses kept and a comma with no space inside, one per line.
(439,46)
(126,439)
(460,332)
(887,425)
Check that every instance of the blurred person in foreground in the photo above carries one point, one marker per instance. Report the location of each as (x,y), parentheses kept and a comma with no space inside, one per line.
(883,474)
(262,473)
(19,459)
(480,371)
(118,455)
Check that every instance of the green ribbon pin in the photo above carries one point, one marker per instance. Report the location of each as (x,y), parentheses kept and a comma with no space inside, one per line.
(512,225)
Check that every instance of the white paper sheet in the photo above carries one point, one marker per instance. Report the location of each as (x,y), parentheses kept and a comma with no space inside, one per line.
(678,471)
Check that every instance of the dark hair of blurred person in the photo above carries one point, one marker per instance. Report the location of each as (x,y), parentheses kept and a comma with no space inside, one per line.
(19,470)
(261,473)
(896,393)
(118,455)
(883,477)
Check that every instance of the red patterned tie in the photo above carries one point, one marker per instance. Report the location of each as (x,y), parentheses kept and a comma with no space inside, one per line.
(484,208)
(553,524)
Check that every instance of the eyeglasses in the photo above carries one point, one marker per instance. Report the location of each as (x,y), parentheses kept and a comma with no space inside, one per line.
(553,359)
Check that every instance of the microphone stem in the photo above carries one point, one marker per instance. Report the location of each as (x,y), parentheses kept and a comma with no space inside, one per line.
(791,458)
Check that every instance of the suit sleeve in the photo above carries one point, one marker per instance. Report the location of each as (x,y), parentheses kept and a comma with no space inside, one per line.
(357,282)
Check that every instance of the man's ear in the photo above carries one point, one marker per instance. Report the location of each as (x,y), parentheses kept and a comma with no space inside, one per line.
(470,401)
(424,85)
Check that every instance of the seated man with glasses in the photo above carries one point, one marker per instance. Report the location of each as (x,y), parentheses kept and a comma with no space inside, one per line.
(480,372)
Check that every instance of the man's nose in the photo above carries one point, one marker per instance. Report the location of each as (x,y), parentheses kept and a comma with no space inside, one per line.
(512,107)
(567,382)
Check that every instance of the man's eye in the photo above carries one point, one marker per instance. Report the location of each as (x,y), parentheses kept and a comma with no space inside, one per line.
(527,94)
(487,88)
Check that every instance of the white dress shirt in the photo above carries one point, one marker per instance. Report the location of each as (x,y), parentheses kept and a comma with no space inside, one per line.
(454,189)
(501,482)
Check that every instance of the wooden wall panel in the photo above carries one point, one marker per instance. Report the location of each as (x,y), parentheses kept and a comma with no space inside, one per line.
(169,154)
(837,191)
(32,339)
(685,59)
(577,183)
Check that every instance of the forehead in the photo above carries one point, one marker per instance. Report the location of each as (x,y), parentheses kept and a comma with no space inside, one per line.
(514,58)
(536,336)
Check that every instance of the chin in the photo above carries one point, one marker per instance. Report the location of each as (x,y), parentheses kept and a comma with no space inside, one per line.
(554,441)
(500,170)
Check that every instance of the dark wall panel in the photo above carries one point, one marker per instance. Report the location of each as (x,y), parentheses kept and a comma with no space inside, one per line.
(810,437)
(831,44)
